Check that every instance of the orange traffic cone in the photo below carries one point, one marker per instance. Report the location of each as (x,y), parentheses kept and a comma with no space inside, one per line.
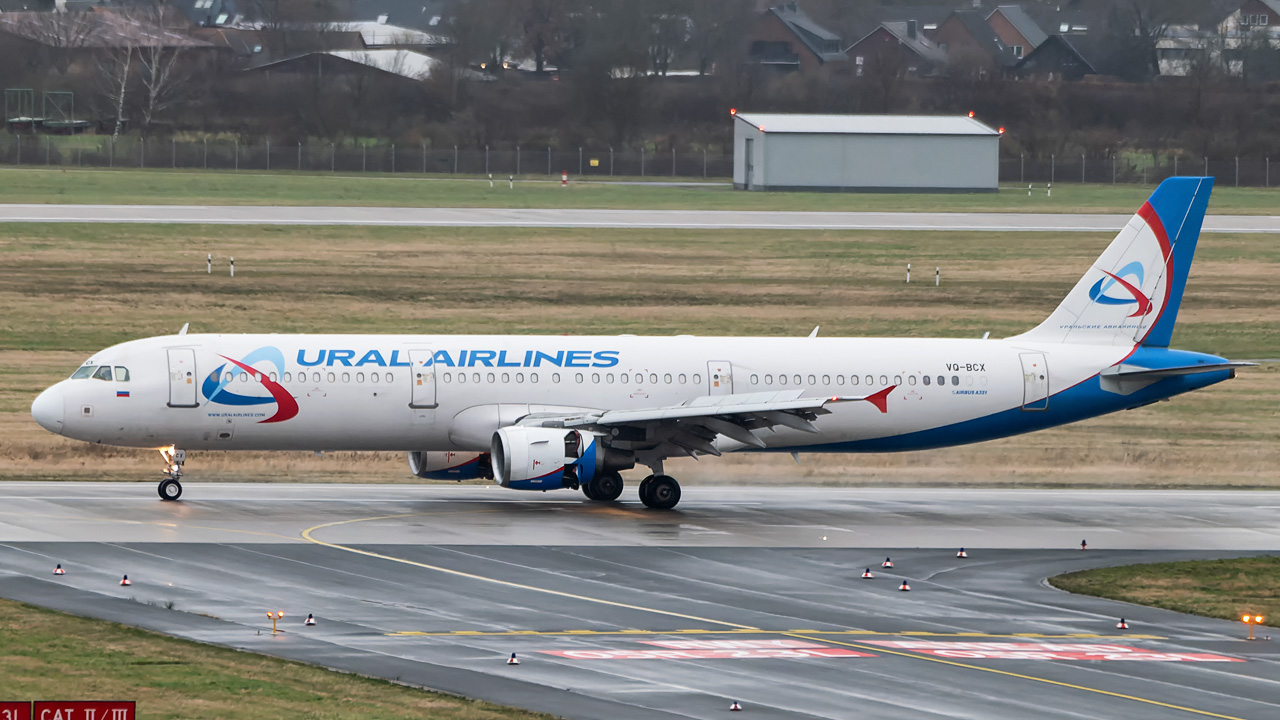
(887,563)
(866,574)
(735,707)
(59,571)
(513,660)
(1122,625)
(962,554)
(905,587)
(126,581)
(310,620)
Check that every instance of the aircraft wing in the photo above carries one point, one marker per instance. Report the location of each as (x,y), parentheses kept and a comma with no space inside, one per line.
(691,428)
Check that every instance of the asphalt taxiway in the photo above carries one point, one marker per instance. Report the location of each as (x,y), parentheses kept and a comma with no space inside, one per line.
(601,218)
(752,595)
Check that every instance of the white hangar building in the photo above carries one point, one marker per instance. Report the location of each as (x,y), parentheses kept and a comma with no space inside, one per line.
(864,153)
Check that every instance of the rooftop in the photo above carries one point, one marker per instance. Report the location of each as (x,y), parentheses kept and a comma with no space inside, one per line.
(867,124)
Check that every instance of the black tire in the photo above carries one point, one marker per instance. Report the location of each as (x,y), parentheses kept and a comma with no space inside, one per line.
(169,489)
(588,489)
(608,487)
(664,493)
(645,486)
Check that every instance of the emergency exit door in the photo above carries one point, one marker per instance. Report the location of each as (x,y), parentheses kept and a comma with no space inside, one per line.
(1035,382)
(423,374)
(182,378)
(719,378)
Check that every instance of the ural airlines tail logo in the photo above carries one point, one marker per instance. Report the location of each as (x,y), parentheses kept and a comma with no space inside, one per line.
(215,385)
(1099,293)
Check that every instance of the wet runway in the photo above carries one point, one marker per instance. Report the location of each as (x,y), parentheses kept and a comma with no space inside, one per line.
(751,595)
(599,218)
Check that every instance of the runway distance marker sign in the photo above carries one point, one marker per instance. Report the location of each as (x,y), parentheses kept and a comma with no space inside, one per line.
(84,710)
(1045,651)
(715,650)
(15,711)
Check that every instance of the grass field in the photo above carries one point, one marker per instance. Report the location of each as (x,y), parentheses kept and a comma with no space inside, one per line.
(151,187)
(46,655)
(1223,589)
(69,290)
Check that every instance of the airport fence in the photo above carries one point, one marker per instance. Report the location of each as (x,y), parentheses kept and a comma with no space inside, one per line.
(105,152)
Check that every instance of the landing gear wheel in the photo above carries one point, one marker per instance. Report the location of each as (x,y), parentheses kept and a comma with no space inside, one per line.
(646,485)
(608,487)
(663,492)
(170,489)
(589,490)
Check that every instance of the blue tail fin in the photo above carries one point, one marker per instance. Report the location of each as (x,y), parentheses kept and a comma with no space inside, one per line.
(1132,293)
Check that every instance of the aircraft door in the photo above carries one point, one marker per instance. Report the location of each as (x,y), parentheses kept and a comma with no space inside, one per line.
(1035,381)
(423,374)
(182,378)
(719,378)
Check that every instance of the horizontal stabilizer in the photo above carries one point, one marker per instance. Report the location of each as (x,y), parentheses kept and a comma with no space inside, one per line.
(1133,372)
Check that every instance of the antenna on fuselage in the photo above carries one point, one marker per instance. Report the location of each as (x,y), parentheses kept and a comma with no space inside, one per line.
(183,331)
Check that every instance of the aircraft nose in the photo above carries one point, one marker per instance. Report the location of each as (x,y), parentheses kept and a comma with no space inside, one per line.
(48,409)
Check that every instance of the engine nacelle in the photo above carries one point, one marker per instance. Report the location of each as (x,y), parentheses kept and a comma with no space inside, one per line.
(450,465)
(536,458)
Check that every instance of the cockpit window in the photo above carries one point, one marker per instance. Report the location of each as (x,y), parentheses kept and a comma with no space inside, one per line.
(122,374)
(83,372)
(103,373)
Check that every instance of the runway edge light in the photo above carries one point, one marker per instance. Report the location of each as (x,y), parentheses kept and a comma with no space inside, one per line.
(905,587)
(866,574)
(735,707)
(310,620)
(513,660)
(125,581)
(59,571)
(1122,625)
(962,554)
(887,563)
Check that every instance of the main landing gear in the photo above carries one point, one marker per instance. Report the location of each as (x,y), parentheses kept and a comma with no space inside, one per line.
(660,492)
(174,459)
(606,488)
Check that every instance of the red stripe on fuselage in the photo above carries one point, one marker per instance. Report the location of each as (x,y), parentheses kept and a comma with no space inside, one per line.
(1149,216)
(286,406)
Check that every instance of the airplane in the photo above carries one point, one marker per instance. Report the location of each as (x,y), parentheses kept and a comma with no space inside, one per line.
(545,413)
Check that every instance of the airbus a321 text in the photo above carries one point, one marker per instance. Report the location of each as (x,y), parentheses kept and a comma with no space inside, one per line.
(545,413)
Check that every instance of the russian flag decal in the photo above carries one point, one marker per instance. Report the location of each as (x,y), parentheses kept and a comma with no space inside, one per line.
(122,393)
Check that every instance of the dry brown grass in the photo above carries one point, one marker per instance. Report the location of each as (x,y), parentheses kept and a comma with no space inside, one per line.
(68,290)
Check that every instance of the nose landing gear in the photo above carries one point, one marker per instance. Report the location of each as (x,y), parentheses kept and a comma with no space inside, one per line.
(174,459)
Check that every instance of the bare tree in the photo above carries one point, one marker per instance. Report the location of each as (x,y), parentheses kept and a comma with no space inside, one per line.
(161,71)
(116,69)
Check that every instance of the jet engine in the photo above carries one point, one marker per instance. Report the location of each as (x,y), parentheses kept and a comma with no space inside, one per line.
(450,465)
(539,458)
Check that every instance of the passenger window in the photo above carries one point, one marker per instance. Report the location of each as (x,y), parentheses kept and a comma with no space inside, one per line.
(506,377)
(955,379)
(942,380)
(373,377)
(244,377)
(768,379)
(826,379)
(853,379)
(462,377)
(273,377)
(104,373)
(839,379)
(83,372)
(555,377)
(122,374)
(315,377)
(608,378)
(359,377)
(968,380)
(213,376)
(519,377)
(490,378)
(755,379)
(475,377)
(697,379)
(911,379)
(667,379)
(332,378)
(346,377)
(533,377)
(926,379)
(595,377)
(813,380)
(797,379)
(870,380)
(884,379)
(982,380)
(391,377)
(653,378)
(226,377)
(626,379)
(577,377)
(684,379)
(782,379)
(897,379)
